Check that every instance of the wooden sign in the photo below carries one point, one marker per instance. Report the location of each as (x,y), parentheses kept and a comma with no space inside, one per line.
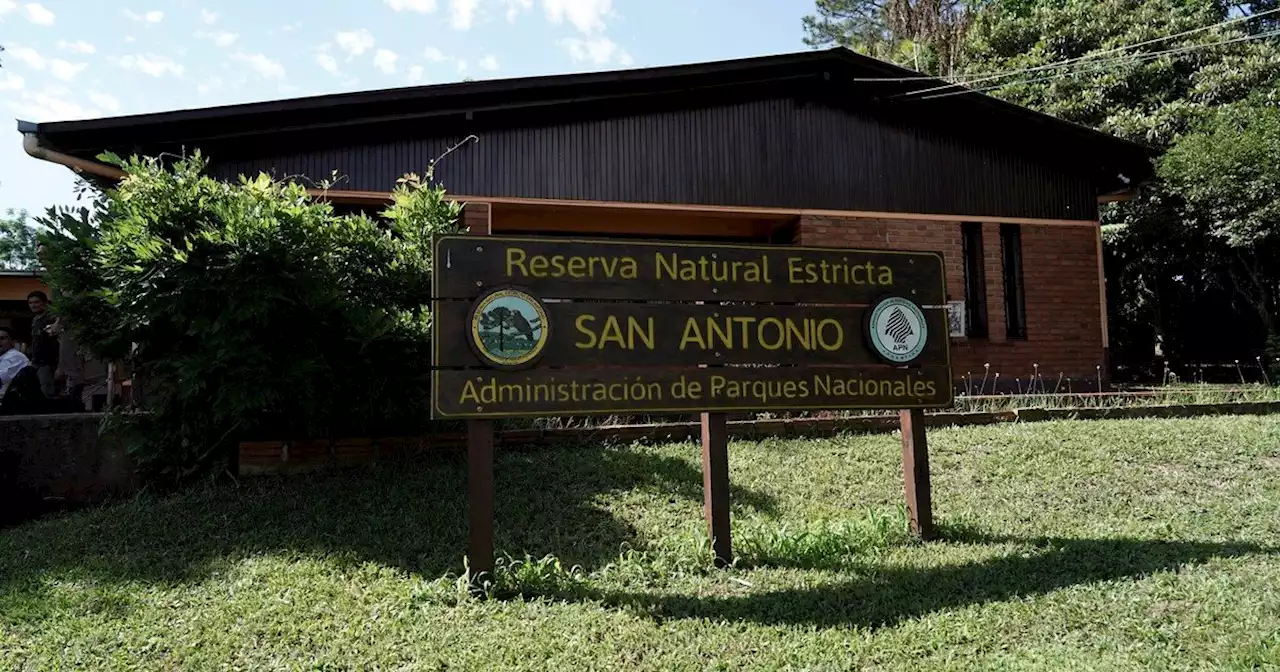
(551,392)
(522,328)
(543,327)
(683,334)
(632,271)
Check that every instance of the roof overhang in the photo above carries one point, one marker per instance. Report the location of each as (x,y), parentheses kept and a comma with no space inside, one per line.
(1117,164)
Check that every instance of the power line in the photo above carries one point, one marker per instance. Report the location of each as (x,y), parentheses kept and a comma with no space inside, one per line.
(981,77)
(1134,58)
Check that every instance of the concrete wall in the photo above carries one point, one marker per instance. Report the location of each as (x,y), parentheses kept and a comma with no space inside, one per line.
(50,461)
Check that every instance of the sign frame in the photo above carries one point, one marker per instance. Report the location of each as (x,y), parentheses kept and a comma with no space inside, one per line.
(899,328)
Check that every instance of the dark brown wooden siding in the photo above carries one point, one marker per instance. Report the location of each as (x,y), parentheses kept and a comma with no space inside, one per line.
(763,153)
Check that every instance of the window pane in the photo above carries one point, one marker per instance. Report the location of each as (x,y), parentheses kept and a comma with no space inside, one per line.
(1015,308)
(975,281)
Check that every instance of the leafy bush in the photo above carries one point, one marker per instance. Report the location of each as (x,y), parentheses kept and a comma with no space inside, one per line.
(250,308)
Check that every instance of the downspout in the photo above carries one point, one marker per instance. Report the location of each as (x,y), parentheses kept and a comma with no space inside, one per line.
(31,145)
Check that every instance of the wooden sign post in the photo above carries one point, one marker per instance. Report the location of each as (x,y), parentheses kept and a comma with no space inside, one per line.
(528,327)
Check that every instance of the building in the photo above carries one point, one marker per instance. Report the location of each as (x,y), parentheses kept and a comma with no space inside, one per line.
(814,148)
(14,312)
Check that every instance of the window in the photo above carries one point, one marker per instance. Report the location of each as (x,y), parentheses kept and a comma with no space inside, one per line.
(975,280)
(1015,305)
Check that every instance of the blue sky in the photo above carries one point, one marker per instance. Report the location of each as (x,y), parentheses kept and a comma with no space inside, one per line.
(82,59)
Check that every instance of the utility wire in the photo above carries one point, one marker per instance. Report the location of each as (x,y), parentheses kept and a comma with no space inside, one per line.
(1094,67)
(980,77)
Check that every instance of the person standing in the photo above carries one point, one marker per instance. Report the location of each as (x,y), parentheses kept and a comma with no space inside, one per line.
(69,376)
(44,344)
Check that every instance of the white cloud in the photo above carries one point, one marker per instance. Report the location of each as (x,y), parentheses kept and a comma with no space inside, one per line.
(597,50)
(265,67)
(104,101)
(27,55)
(585,15)
(7,6)
(209,86)
(355,42)
(462,65)
(50,106)
(153,16)
(36,13)
(415,75)
(221,38)
(65,70)
(150,64)
(77,47)
(385,60)
(514,7)
(11,82)
(328,63)
(129,39)
(489,63)
(420,6)
(462,13)
(434,55)
(208,17)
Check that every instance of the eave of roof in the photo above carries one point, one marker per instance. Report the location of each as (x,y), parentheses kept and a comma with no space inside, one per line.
(86,137)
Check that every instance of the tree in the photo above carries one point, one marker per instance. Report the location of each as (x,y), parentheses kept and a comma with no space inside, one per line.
(17,242)
(1150,93)
(926,35)
(501,317)
(250,307)
(1166,266)
(1227,175)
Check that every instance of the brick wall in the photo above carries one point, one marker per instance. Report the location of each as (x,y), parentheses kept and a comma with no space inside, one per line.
(475,218)
(1060,285)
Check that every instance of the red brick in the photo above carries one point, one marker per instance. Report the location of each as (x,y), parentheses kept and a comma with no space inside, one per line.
(1060,283)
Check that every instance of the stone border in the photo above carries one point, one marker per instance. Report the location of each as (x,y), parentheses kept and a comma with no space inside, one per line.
(271,457)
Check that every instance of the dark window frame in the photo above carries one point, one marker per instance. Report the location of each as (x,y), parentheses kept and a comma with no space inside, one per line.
(975,280)
(1015,300)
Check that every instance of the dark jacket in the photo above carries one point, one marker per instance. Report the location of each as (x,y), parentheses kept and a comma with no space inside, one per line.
(44,347)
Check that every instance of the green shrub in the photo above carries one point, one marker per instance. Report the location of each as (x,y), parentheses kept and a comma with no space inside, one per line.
(250,308)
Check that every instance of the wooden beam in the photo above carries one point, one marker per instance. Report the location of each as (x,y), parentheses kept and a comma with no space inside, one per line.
(1117,197)
(480,459)
(558,219)
(379,197)
(915,472)
(715,485)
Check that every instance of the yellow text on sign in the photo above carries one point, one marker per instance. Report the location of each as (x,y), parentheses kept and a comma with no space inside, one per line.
(712,333)
(700,268)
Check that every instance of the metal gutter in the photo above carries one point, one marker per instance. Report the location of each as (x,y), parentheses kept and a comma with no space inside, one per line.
(31,145)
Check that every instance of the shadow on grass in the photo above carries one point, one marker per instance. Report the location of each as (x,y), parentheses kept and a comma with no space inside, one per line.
(409,514)
(887,595)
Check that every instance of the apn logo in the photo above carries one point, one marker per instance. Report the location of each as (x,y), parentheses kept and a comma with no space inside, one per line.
(899,329)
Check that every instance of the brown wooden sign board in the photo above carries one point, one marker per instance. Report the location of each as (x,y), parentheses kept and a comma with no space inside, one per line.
(467,266)
(513,350)
(651,334)
(551,392)
(523,327)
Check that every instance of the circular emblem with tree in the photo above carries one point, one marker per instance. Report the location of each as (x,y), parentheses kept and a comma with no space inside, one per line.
(508,328)
(897,330)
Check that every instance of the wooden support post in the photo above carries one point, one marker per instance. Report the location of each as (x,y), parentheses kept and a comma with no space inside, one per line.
(915,472)
(478,219)
(480,497)
(715,483)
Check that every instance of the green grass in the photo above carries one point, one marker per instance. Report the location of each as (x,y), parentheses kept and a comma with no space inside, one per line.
(1111,545)
(1167,395)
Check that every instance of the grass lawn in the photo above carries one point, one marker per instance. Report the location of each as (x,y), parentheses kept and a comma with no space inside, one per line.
(1151,544)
